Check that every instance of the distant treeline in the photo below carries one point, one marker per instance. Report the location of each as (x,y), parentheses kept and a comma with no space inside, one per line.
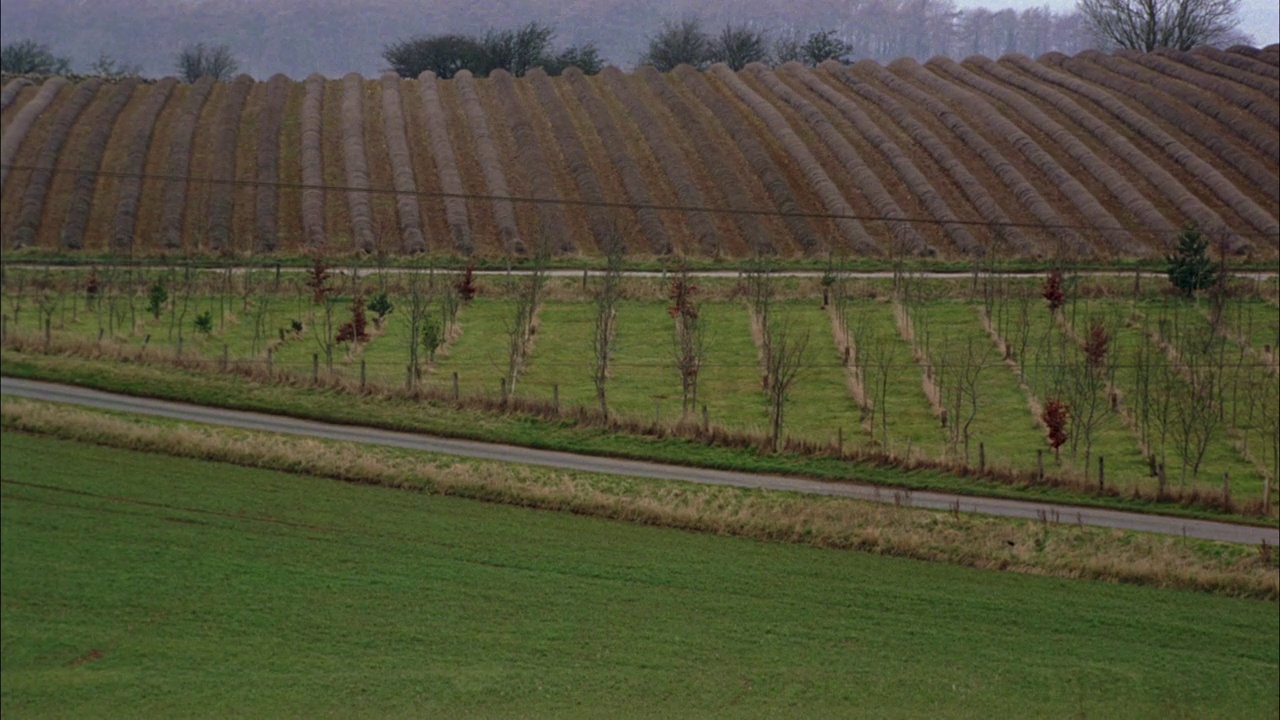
(334,37)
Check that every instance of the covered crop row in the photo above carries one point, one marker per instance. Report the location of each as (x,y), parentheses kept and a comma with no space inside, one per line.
(1121,189)
(22,122)
(1173,190)
(495,178)
(407,208)
(614,143)
(125,218)
(33,197)
(599,218)
(356,162)
(11,91)
(1262,107)
(975,191)
(455,207)
(1237,120)
(770,176)
(222,195)
(1202,62)
(867,181)
(266,198)
(671,161)
(1100,69)
(1242,62)
(174,202)
(703,140)
(916,182)
(71,234)
(1023,190)
(1075,193)
(1179,153)
(554,227)
(312,161)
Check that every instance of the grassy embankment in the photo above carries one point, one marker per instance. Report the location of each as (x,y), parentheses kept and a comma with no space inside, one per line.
(137,584)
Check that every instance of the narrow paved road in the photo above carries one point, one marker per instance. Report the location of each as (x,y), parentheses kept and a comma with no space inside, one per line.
(506,453)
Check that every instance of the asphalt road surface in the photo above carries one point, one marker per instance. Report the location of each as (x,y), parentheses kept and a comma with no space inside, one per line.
(1030,509)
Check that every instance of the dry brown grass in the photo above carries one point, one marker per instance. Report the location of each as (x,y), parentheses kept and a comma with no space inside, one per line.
(1032,547)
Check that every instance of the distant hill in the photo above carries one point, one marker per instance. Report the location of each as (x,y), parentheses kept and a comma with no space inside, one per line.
(1088,156)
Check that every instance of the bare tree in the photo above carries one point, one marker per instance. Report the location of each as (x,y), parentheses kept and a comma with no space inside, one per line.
(678,43)
(739,45)
(109,66)
(787,356)
(526,298)
(1149,24)
(30,57)
(606,319)
(966,397)
(690,335)
(200,60)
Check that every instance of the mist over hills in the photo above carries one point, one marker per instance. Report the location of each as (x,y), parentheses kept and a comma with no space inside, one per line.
(333,37)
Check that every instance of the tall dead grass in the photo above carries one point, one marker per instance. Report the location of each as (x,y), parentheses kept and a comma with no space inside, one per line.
(1033,547)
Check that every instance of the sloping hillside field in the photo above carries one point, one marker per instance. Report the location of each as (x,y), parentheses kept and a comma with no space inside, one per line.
(1093,156)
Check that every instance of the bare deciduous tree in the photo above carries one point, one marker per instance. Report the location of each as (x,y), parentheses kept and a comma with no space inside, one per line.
(526,297)
(606,319)
(787,356)
(1149,24)
(678,43)
(739,45)
(690,335)
(200,60)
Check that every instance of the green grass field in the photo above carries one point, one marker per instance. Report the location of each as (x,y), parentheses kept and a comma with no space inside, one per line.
(138,585)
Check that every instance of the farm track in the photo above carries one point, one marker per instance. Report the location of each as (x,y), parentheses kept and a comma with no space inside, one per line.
(1097,155)
(1202,529)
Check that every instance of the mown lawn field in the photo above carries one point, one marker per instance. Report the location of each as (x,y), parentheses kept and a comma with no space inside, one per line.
(139,585)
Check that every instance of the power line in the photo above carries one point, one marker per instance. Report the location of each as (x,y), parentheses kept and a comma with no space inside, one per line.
(608,204)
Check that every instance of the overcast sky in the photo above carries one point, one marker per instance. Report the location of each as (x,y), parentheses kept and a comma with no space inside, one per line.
(1259,18)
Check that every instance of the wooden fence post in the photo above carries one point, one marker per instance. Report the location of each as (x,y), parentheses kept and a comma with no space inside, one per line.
(555,397)
(1102,475)
(362,373)
(455,387)
(1040,464)
(315,367)
(503,390)
(982,457)
(840,441)
(706,420)
(48,332)
(224,357)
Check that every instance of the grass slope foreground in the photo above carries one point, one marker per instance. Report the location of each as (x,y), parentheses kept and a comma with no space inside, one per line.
(137,585)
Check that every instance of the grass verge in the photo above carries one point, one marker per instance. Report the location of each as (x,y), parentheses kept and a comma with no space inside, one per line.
(1062,550)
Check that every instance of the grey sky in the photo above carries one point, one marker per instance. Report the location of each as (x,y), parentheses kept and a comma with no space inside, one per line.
(1259,18)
